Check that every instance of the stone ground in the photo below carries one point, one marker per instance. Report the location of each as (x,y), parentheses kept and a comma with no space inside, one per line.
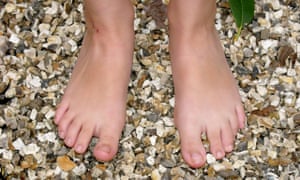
(39,43)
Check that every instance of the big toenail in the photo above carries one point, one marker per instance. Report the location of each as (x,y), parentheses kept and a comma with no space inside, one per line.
(105,149)
(196,158)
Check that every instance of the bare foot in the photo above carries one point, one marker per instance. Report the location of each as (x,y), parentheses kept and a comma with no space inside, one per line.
(94,102)
(207,98)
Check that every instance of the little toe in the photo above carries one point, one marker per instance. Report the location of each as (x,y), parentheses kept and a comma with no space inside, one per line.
(107,146)
(83,139)
(60,111)
(64,124)
(216,145)
(192,148)
(241,116)
(72,133)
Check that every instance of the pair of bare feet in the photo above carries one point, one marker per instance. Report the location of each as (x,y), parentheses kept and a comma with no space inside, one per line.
(207,99)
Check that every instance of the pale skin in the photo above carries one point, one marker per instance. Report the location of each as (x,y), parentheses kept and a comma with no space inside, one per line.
(207,98)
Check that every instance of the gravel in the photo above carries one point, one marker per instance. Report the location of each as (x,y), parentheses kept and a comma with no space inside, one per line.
(39,43)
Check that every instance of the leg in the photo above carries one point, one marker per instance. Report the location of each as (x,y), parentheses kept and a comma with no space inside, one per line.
(94,102)
(207,99)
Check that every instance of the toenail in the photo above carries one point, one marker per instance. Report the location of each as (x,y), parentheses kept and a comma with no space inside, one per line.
(105,149)
(219,154)
(229,148)
(78,148)
(68,141)
(196,158)
(61,134)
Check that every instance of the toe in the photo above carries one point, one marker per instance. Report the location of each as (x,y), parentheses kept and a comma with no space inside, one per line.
(227,137)
(234,124)
(107,146)
(83,139)
(216,145)
(72,133)
(60,111)
(241,116)
(192,148)
(64,124)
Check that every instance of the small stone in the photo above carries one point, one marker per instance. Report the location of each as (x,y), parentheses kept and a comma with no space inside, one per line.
(50,114)
(7,154)
(262,90)
(10,7)
(266,44)
(79,170)
(18,144)
(155,175)
(150,160)
(14,39)
(33,114)
(275,4)
(139,132)
(210,159)
(218,167)
(275,100)
(238,164)
(248,52)
(3,46)
(65,163)
(10,93)
(30,149)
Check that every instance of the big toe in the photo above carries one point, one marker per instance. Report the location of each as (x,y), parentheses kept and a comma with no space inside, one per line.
(106,148)
(192,148)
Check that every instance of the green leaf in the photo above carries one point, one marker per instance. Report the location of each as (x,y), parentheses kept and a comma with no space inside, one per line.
(243,12)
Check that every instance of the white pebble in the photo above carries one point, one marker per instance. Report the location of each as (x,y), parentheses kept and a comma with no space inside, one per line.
(10,7)
(275,100)
(29,149)
(50,114)
(269,43)
(18,144)
(210,159)
(153,140)
(218,167)
(275,4)
(35,81)
(50,137)
(278,14)
(79,170)
(238,164)
(7,154)
(139,132)
(168,121)
(172,102)
(33,114)
(14,39)
(262,90)
(150,160)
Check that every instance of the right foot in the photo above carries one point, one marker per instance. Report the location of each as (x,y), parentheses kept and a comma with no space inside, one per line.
(94,102)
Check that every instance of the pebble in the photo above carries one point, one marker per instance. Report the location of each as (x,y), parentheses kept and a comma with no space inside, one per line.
(3,45)
(210,159)
(29,149)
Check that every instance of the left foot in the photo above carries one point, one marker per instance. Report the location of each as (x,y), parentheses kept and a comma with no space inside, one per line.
(207,98)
